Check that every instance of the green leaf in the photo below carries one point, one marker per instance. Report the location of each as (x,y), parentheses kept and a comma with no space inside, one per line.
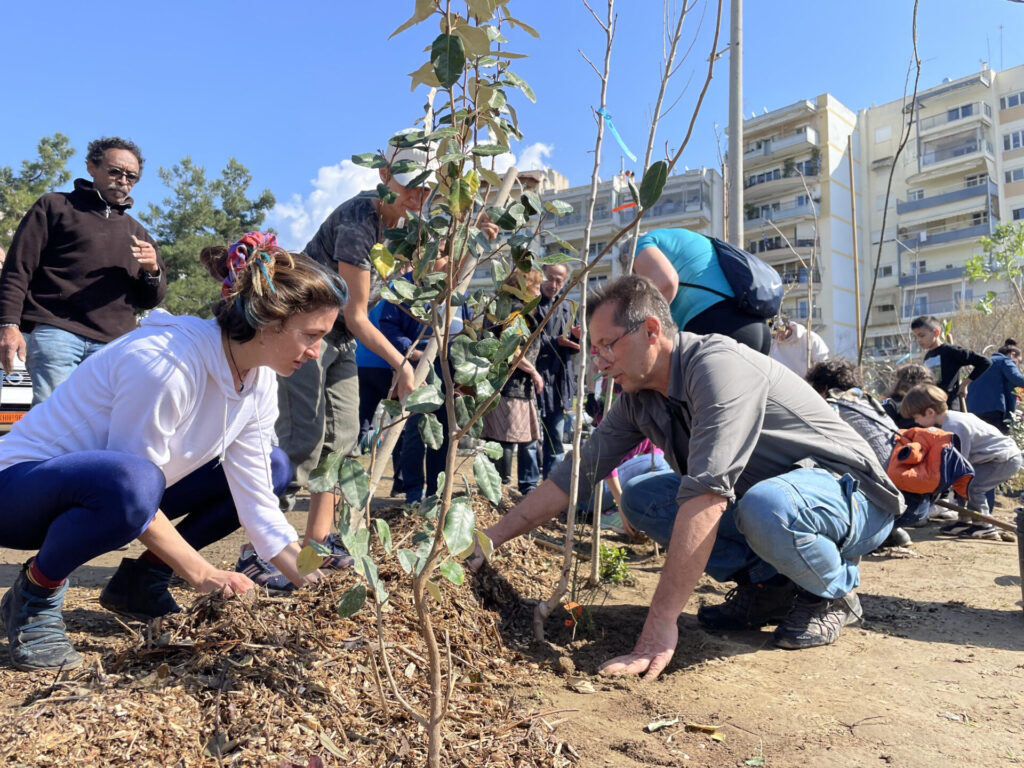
(754,761)
(357,543)
(490,177)
(424,400)
(492,449)
(460,199)
(557,258)
(462,414)
(634,192)
(382,260)
(452,571)
(354,483)
(422,11)
(521,84)
(563,244)
(524,26)
(475,40)
(405,289)
(472,370)
(434,590)
(485,543)
(431,431)
(325,476)
(532,203)
(384,534)
(509,220)
(352,600)
(653,183)
(407,559)
(370,160)
(448,58)
(429,506)
(487,478)
(370,572)
(487,150)
(391,407)
(424,76)
(458,525)
(557,207)
(308,560)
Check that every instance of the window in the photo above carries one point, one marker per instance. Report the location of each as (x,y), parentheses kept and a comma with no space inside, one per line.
(1017,214)
(1011,100)
(958,113)
(1016,174)
(978,218)
(887,270)
(886,307)
(1013,140)
(976,180)
(883,134)
(915,194)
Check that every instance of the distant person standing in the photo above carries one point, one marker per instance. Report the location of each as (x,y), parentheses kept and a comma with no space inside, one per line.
(684,266)
(946,359)
(78,270)
(993,397)
(797,347)
(554,364)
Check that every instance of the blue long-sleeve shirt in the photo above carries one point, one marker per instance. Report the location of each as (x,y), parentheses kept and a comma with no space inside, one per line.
(993,391)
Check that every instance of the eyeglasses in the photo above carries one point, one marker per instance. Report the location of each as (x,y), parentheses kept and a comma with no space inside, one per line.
(120,173)
(606,351)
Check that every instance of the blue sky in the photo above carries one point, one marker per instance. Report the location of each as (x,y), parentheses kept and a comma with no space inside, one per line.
(292,90)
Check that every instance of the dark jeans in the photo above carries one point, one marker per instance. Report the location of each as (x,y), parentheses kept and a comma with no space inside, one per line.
(75,507)
(725,319)
(414,454)
(527,466)
(552,425)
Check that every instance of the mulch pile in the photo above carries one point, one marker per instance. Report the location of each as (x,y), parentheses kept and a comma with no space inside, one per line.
(280,681)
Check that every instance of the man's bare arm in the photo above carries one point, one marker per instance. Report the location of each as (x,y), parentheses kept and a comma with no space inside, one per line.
(693,536)
(539,506)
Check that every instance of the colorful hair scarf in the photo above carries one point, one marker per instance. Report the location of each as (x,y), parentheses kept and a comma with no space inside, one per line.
(249,245)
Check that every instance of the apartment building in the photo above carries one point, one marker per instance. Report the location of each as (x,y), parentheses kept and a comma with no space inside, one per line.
(692,199)
(797,211)
(960,174)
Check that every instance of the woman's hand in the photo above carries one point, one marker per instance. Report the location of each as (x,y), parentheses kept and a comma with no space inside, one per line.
(403,381)
(538,381)
(231,582)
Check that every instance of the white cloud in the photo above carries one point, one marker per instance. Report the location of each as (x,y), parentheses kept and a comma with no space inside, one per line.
(298,219)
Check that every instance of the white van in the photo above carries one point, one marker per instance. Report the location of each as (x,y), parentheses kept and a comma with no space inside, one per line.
(15,395)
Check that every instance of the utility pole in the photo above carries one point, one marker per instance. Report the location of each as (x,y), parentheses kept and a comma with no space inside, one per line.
(735,180)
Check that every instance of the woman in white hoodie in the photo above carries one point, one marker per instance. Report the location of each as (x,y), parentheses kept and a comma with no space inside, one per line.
(175,419)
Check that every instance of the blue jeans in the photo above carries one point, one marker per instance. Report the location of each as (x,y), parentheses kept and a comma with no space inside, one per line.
(51,354)
(806,524)
(552,426)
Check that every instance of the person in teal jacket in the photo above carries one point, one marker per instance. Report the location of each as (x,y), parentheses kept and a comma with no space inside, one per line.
(684,267)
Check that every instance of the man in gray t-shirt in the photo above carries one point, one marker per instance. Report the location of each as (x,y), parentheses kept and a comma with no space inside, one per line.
(768,487)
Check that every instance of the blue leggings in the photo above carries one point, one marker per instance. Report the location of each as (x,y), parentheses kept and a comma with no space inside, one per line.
(75,507)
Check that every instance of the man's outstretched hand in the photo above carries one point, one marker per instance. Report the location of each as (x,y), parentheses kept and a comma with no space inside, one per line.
(652,653)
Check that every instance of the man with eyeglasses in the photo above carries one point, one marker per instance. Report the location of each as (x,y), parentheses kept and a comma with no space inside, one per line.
(78,269)
(768,488)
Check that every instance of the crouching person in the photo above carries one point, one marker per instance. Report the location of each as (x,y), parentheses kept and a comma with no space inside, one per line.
(770,488)
(173,420)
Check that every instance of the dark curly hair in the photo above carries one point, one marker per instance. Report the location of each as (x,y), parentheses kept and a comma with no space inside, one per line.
(99,147)
(834,373)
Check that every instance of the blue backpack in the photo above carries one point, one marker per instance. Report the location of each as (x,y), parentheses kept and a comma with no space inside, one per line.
(756,287)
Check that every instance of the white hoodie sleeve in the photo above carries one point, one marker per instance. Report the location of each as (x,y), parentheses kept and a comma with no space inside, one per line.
(247,467)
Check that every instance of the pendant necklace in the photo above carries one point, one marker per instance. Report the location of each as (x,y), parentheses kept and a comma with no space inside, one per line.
(238,372)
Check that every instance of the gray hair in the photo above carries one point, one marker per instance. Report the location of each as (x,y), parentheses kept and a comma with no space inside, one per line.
(635,298)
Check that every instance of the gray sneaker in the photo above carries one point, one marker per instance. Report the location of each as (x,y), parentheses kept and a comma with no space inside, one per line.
(36,633)
(817,620)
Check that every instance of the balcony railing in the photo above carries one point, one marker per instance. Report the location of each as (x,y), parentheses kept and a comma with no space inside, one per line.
(961,150)
(941,307)
(783,212)
(947,195)
(946,233)
(963,112)
(804,136)
(921,278)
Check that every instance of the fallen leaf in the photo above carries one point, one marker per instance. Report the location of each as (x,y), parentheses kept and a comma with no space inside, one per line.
(581,685)
(657,725)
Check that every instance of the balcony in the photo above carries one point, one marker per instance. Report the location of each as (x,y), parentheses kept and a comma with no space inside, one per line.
(942,234)
(960,151)
(782,212)
(942,307)
(800,313)
(923,278)
(806,138)
(770,248)
(947,195)
(960,115)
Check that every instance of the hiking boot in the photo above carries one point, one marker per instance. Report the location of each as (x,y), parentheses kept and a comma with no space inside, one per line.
(985,531)
(339,558)
(750,605)
(897,538)
(138,590)
(262,573)
(816,620)
(36,633)
(955,529)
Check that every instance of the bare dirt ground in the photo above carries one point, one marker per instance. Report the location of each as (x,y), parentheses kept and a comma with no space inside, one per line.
(935,676)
